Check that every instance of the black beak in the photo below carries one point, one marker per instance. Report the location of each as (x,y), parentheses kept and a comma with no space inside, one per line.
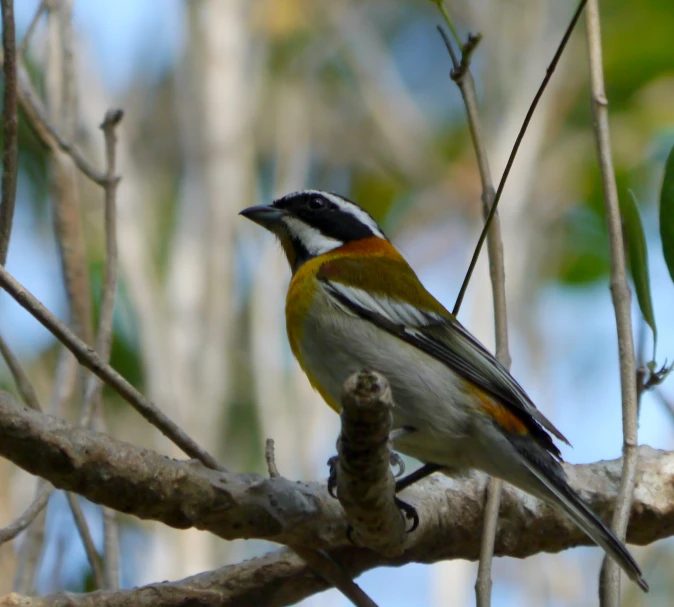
(264,215)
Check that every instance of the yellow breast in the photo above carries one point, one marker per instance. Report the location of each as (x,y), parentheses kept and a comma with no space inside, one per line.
(299,301)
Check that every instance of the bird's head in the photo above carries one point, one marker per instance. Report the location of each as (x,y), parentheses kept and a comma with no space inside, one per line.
(310,223)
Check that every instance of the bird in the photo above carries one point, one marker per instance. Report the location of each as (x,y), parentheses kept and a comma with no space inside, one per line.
(354,302)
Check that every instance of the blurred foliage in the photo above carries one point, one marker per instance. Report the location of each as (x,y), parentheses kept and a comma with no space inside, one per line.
(637,252)
(585,256)
(667,213)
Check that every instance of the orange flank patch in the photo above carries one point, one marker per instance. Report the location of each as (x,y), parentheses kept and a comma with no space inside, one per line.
(503,416)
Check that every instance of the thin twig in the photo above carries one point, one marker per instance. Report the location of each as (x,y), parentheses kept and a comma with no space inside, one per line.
(30,554)
(464,79)
(87,541)
(319,560)
(93,389)
(110,272)
(89,359)
(29,514)
(21,380)
(270,457)
(23,47)
(47,132)
(33,543)
(61,103)
(110,549)
(513,153)
(621,295)
(10,129)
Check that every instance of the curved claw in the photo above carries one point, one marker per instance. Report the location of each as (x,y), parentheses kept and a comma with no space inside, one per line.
(397,460)
(332,478)
(410,513)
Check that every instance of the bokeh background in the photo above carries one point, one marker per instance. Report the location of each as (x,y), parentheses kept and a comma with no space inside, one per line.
(232,102)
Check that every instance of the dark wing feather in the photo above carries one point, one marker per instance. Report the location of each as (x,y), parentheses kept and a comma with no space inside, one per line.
(444,338)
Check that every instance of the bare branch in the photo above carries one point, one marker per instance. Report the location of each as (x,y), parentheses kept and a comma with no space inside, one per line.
(513,153)
(270,457)
(335,574)
(47,132)
(365,483)
(61,103)
(622,297)
(183,494)
(23,47)
(29,514)
(33,542)
(21,380)
(319,560)
(10,129)
(464,79)
(110,549)
(87,541)
(89,359)
(110,272)
(30,553)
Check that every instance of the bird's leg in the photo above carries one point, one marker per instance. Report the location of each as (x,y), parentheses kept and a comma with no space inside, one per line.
(417,475)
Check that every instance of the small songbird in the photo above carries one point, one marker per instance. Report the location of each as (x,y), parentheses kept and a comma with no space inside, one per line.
(354,302)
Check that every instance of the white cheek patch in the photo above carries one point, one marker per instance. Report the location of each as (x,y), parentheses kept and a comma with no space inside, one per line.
(313,240)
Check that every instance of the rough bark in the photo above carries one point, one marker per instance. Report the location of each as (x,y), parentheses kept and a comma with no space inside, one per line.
(185,494)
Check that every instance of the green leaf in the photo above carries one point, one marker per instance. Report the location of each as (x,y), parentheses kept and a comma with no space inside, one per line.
(638,257)
(667,213)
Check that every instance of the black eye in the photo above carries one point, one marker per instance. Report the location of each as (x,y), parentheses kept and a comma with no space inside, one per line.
(317,204)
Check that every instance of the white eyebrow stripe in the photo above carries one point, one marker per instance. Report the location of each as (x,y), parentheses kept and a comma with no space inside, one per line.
(351,208)
(314,241)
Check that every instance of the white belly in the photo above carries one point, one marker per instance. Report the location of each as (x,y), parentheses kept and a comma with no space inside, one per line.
(428,395)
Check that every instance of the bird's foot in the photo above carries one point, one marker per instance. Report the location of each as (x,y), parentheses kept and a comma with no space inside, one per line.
(332,478)
(409,511)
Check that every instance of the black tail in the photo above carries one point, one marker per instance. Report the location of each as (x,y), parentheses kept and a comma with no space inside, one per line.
(562,495)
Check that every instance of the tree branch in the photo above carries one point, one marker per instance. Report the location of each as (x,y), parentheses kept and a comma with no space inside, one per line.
(88,358)
(622,297)
(182,494)
(94,385)
(87,541)
(516,147)
(10,129)
(23,47)
(464,79)
(319,560)
(21,380)
(47,132)
(35,507)
(365,483)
